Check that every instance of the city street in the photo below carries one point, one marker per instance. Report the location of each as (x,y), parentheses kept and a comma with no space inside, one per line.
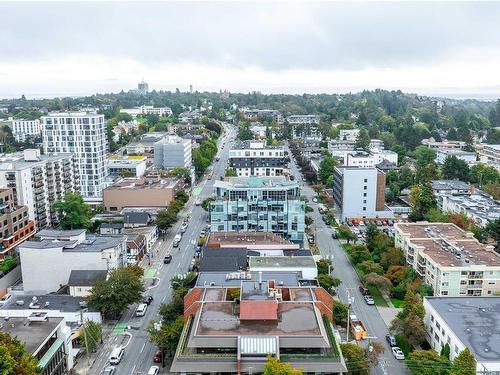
(139,350)
(342,268)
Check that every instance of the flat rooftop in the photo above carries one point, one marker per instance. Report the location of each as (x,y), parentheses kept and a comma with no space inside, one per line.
(449,245)
(61,302)
(231,279)
(143,184)
(256,182)
(282,262)
(474,320)
(449,185)
(16,160)
(249,240)
(479,205)
(294,319)
(32,334)
(91,244)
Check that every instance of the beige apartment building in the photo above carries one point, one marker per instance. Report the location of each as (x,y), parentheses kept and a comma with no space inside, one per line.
(449,259)
(140,193)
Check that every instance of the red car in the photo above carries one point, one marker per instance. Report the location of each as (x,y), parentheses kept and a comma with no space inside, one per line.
(157,356)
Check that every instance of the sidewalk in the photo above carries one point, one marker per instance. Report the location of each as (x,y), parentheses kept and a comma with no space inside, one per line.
(388,313)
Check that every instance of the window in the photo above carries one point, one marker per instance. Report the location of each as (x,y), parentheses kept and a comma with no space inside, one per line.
(365,187)
(364,194)
(366,180)
(364,208)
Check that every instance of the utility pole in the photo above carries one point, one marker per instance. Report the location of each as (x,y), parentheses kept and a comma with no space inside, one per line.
(85,337)
(350,300)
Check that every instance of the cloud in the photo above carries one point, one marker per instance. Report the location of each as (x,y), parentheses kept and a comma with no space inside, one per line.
(244,43)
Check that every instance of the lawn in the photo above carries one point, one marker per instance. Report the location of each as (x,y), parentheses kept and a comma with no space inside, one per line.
(398,303)
(377,297)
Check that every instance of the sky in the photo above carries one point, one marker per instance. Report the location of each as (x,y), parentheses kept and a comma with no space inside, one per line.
(79,48)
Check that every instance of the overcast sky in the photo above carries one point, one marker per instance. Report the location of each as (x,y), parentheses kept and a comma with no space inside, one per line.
(55,49)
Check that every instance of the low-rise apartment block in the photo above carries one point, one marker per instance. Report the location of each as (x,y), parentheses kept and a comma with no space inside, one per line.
(47,262)
(15,226)
(132,166)
(445,145)
(37,181)
(254,158)
(146,145)
(448,187)
(24,130)
(480,208)
(140,193)
(449,259)
(359,193)
(274,314)
(464,323)
(173,151)
(144,110)
(47,339)
(348,135)
(490,155)
(468,157)
(258,204)
(256,114)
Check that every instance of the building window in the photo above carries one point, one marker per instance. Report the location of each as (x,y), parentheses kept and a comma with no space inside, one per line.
(364,194)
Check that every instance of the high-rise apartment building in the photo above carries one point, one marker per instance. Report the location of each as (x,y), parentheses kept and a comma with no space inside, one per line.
(359,193)
(258,204)
(37,181)
(254,158)
(24,130)
(83,134)
(142,87)
(173,151)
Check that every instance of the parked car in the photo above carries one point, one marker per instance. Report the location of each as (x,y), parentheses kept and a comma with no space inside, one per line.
(183,228)
(390,222)
(5,299)
(141,310)
(334,235)
(369,299)
(153,370)
(391,340)
(315,200)
(310,239)
(398,353)
(350,223)
(379,223)
(167,259)
(198,202)
(367,222)
(109,370)
(147,299)
(177,240)
(116,355)
(363,290)
(157,356)
(361,223)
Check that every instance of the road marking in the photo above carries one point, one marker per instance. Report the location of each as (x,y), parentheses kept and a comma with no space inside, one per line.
(150,273)
(119,328)
(143,346)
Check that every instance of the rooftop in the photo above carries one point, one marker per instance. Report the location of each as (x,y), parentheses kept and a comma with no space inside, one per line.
(281,262)
(474,320)
(136,217)
(223,259)
(449,185)
(256,183)
(91,244)
(479,205)
(72,114)
(171,139)
(143,184)
(86,277)
(253,145)
(249,240)
(33,334)
(15,161)
(234,279)
(449,245)
(60,302)
(125,163)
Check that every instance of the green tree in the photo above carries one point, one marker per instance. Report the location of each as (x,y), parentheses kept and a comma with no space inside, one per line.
(464,363)
(355,359)
(230,172)
(326,167)
(14,359)
(93,332)
(493,231)
(445,351)
(455,169)
(392,257)
(369,266)
(340,311)
(371,232)
(346,233)
(273,366)
(359,253)
(165,219)
(363,140)
(421,201)
(409,322)
(167,337)
(181,172)
(427,362)
(73,212)
(206,203)
(328,282)
(113,296)
(324,265)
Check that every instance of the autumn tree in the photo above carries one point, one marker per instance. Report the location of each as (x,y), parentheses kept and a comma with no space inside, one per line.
(274,366)
(355,359)
(409,321)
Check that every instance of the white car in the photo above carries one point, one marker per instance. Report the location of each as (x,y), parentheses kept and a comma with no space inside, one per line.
(153,370)
(398,353)
(369,300)
(5,299)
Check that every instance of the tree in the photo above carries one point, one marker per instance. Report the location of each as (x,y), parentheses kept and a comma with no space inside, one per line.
(14,359)
(73,212)
(396,274)
(181,172)
(445,351)
(493,230)
(346,233)
(382,283)
(369,266)
(167,337)
(464,363)
(493,188)
(230,172)
(373,352)
(424,155)
(324,266)
(326,168)
(371,232)
(427,362)
(363,140)
(112,296)
(359,253)
(422,199)
(483,174)
(392,257)
(455,169)
(328,282)
(409,321)
(273,366)
(93,334)
(206,203)
(165,219)
(355,359)
(340,311)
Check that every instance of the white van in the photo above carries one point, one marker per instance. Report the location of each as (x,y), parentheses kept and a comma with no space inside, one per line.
(116,355)
(177,240)
(141,309)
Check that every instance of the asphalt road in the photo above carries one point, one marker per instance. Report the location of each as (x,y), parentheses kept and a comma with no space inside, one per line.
(139,351)
(342,268)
